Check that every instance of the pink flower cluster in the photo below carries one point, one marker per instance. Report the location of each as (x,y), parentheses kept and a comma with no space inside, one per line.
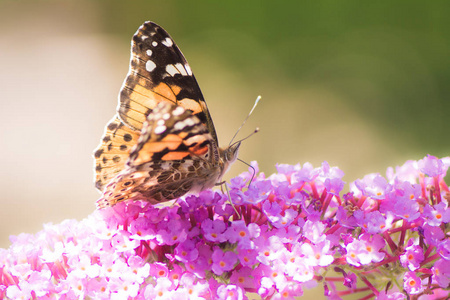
(387,237)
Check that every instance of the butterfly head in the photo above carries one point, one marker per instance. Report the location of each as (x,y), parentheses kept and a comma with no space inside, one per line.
(229,156)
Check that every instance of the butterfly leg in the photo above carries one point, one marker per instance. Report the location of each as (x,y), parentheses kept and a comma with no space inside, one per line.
(222,184)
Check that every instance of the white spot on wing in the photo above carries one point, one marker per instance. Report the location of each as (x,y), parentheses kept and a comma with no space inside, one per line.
(178,111)
(181,69)
(167,42)
(154,44)
(176,69)
(150,66)
(172,70)
(144,37)
(149,52)
(188,69)
(166,116)
(160,129)
(144,130)
(179,125)
(166,166)
(189,122)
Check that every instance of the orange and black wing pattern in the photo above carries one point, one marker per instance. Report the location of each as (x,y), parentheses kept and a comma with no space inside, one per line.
(113,151)
(173,156)
(159,73)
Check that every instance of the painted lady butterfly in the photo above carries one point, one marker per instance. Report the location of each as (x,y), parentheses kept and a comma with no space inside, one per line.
(162,143)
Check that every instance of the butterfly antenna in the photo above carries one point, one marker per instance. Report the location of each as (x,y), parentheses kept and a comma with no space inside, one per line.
(250,166)
(255,131)
(245,120)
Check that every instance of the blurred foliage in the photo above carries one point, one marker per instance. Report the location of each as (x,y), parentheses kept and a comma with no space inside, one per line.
(389,60)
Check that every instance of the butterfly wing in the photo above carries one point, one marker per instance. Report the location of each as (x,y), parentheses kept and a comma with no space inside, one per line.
(113,151)
(159,73)
(175,154)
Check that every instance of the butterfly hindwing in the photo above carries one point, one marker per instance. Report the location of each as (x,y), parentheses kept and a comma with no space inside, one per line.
(159,73)
(113,151)
(175,154)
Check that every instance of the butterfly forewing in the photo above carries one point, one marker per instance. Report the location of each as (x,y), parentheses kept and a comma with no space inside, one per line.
(159,73)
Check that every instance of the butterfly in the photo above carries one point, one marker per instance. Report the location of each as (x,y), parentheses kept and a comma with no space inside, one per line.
(162,143)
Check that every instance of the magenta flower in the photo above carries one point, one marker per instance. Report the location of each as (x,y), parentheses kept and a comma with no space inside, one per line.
(412,283)
(443,249)
(412,257)
(242,234)
(244,278)
(373,221)
(270,249)
(278,216)
(192,289)
(437,214)
(213,230)
(373,244)
(432,166)
(357,253)
(171,233)
(373,185)
(441,273)
(350,280)
(433,235)
(387,238)
(391,296)
(319,254)
(314,231)
(223,261)
(230,292)
(186,251)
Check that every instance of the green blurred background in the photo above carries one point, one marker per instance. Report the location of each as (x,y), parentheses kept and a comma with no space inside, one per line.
(363,85)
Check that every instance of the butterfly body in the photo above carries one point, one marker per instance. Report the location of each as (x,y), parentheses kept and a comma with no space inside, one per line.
(162,144)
